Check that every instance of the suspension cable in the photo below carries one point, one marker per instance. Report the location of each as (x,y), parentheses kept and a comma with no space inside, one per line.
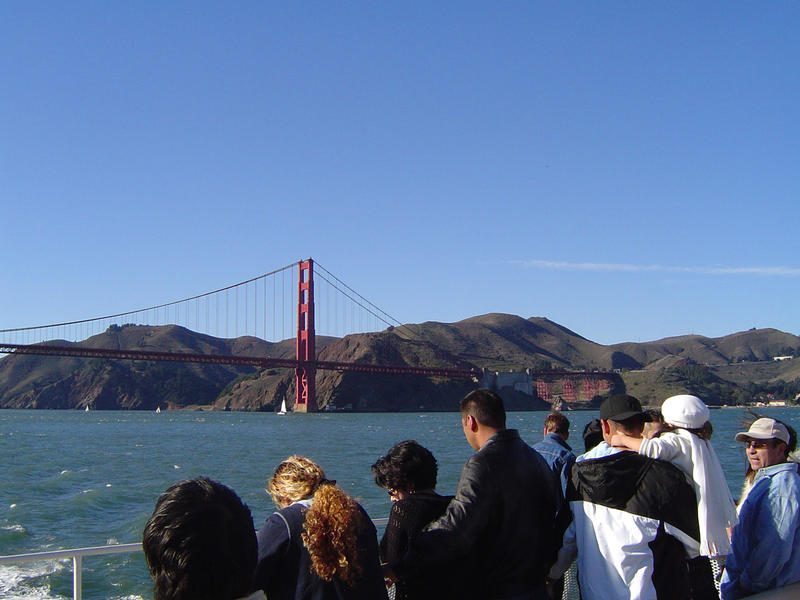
(165,306)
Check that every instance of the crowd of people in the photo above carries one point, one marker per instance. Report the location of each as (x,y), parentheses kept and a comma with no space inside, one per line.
(645,513)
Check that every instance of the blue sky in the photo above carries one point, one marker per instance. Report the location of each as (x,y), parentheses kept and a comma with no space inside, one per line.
(628,170)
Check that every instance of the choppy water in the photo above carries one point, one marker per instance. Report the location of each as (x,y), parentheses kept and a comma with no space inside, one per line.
(70,479)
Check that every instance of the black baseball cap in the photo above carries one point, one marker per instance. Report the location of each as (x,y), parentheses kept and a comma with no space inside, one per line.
(620,407)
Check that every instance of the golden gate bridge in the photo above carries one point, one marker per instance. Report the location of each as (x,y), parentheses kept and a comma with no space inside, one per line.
(225,311)
(257,308)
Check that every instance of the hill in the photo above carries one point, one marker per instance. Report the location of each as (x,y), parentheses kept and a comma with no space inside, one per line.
(722,370)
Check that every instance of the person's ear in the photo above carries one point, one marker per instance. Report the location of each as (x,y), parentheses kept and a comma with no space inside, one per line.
(472,423)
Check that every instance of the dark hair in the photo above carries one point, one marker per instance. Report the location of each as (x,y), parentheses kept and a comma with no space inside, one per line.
(407,466)
(653,415)
(592,434)
(200,543)
(791,446)
(556,422)
(704,433)
(486,406)
(632,425)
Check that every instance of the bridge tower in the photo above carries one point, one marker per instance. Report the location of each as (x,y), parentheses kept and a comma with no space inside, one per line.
(306,400)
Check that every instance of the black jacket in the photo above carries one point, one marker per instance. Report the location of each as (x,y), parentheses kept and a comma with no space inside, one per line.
(407,519)
(634,516)
(502,518)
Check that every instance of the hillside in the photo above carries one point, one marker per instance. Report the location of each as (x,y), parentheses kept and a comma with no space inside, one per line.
(31,381)
(721,369)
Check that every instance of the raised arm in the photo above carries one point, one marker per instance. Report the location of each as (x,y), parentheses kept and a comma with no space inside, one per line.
(623,440)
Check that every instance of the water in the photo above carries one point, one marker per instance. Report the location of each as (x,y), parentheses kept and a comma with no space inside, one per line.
(70,479)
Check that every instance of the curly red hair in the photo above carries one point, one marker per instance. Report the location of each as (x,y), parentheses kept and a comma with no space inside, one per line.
(331,528)
(332,522)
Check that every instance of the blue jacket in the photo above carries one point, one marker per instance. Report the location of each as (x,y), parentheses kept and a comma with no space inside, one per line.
(558,455)
(765,547)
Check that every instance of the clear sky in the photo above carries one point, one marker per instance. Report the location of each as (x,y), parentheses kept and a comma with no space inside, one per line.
(630,170)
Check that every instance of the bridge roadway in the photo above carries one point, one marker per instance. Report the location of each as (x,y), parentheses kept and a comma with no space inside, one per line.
(222,359)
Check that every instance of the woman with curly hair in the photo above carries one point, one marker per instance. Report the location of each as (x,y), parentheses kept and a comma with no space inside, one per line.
(321,544)
(408,473)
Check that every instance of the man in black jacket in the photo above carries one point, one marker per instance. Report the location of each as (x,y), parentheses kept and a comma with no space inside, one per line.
(502,517)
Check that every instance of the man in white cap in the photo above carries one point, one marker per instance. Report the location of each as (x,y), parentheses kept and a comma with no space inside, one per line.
(765,551)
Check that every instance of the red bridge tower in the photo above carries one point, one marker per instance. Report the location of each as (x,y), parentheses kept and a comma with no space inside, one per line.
(305,373)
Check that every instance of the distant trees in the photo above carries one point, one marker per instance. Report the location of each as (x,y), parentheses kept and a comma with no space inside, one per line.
(778,389)
(114,328)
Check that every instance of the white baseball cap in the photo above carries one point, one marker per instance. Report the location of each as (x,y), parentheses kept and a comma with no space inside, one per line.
(764,429)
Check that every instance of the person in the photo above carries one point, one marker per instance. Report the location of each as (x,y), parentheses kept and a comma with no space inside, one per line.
(555,449)
(320,545)
(200,543)
(559,456)
(685,442)
(503,513)
(654,424)
(750,474)
(592,434)
(765,545)
(634,521)
(408,472)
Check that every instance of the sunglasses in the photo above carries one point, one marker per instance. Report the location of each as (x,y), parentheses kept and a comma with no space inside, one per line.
(757,444)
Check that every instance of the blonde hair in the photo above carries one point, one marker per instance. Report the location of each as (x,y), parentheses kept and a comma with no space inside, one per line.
(295,479)
(332,523)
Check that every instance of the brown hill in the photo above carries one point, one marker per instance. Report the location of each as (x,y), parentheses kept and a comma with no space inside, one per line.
(359,391)
(493,341)
(29,381)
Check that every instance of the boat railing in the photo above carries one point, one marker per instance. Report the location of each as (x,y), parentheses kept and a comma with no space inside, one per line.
(77,555)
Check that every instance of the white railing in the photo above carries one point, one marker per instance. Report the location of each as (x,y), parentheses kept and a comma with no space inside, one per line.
(77,554)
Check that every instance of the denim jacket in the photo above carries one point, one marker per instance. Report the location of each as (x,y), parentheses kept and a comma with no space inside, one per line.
(558,455)
(765,551)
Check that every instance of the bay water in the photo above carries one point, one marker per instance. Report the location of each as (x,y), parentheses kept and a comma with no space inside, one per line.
(72,479)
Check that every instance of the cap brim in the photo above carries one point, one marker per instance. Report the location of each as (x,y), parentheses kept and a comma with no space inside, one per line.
(743,436)
(627,415)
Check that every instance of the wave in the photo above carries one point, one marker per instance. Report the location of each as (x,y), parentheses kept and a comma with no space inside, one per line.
(32,581)
(10,533)
(24,582)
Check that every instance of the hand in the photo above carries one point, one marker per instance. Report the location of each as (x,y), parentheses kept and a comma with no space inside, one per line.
(388,574)
(550,588)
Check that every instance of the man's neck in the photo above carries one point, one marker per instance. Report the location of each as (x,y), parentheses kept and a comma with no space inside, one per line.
(484,434)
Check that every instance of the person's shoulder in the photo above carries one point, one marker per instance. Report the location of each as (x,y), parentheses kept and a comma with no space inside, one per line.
(786,478)
(402,506)
(679,436)
(361,509)
(601,450)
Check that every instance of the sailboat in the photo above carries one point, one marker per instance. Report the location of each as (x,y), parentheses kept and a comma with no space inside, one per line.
(283,411)
(86,409)
(158,409)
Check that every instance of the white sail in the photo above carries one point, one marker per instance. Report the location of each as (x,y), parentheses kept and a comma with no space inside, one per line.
(282,411)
